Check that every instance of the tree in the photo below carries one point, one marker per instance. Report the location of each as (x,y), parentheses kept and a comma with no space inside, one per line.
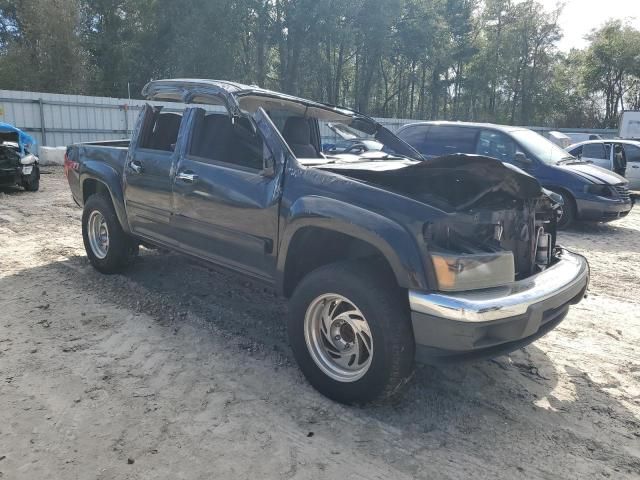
(612,66)
(40,48)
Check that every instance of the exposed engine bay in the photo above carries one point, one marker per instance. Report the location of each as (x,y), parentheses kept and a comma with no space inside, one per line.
(497,214)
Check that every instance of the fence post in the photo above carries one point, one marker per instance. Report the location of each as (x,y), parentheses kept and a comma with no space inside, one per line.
(125,109)
(43,129)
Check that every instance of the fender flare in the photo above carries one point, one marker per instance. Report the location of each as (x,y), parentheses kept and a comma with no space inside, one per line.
(112,180)
(396,244)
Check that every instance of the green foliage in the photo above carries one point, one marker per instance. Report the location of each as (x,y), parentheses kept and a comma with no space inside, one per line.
(482,60)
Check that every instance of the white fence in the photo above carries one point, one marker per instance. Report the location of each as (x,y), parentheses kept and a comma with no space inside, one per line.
(58,120)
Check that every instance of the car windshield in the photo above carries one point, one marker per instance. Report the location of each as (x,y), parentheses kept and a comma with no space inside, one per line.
(541,148)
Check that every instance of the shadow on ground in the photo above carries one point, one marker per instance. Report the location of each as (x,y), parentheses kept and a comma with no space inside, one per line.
(486,404)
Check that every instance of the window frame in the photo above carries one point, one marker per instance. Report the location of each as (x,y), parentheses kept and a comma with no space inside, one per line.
(146,131)
(433,128)
(634,147)
(221,163)
(504,135)
(603,149)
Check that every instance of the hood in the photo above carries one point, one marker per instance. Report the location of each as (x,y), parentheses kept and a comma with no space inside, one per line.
(594,174)
(453,182)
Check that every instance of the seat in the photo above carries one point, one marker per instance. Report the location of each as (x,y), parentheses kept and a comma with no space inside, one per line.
(165,132)
(212,138)
(297,134)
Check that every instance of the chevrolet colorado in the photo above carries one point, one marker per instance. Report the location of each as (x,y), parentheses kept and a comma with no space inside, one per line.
(385,258)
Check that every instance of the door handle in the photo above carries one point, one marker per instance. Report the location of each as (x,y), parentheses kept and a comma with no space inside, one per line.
(136,166)
(187,177)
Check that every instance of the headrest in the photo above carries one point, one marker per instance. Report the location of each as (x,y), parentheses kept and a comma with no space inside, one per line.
(296,131)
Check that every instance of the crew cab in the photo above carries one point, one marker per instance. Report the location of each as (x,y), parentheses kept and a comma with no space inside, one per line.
(386,259)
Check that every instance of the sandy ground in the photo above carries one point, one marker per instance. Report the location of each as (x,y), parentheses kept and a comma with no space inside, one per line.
(178,371)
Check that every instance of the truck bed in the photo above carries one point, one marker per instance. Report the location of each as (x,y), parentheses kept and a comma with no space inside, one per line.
(94,156)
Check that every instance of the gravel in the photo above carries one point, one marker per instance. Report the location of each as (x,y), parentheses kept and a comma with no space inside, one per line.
(179,370)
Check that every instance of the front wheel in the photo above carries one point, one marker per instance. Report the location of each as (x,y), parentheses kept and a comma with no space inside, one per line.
(567,213)
(350,332)
(108,247)
(32,182)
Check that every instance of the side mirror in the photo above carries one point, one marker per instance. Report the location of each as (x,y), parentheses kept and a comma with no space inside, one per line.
(522,159)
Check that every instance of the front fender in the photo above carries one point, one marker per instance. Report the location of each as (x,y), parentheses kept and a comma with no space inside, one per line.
(395,243)
(111,179)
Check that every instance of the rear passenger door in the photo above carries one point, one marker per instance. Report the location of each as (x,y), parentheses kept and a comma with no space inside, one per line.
(632,153)
(433,140)
(226,199)
(148,174)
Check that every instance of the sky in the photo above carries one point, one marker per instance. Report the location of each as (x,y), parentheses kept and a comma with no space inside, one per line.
(579,17)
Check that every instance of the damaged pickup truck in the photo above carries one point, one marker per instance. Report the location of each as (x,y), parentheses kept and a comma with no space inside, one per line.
(385,258)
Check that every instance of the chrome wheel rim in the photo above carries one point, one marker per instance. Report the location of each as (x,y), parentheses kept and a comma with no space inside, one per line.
(338,337)
(98,233)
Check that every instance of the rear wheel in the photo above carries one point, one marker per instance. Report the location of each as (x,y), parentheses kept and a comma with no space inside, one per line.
(567,213)
(350,332)
(108,247)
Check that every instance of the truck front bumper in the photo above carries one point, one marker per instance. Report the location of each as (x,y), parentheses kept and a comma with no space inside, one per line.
(495,321)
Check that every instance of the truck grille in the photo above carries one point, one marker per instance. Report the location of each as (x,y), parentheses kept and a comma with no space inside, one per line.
(623,191)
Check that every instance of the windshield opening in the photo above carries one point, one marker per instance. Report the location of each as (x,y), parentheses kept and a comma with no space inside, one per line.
(541,148)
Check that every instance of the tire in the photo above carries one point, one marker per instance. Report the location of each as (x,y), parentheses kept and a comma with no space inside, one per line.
(98,218)
(390,362)
(32,183)
(568,210)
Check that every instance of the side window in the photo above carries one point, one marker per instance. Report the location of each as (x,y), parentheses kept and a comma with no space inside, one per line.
(576,152)
(216,139)
(416,136)
(632,152)
(496,145)
(594,150)
(449,139)
(162,133)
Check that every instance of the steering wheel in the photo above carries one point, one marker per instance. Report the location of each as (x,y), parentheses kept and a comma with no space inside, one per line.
(361,147)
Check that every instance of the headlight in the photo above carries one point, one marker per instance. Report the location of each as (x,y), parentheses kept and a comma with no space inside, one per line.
(28,159)
(459,271)
(599,190)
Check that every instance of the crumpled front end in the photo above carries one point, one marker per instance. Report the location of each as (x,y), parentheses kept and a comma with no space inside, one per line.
(499,280)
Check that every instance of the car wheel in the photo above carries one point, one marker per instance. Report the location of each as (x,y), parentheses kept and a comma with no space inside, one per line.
(108,247)
(32,183)
(350,332)
(567,213)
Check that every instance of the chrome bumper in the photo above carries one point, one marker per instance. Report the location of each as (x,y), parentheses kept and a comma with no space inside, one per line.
(570,274)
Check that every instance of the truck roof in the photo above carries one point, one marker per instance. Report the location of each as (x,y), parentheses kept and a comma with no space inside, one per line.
(237,96)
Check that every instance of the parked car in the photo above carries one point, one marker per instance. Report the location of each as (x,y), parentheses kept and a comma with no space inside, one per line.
(602,153)
(588,192)
(18,165)
(383,259)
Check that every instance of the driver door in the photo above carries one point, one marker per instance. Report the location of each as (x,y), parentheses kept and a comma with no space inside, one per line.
(227,191)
